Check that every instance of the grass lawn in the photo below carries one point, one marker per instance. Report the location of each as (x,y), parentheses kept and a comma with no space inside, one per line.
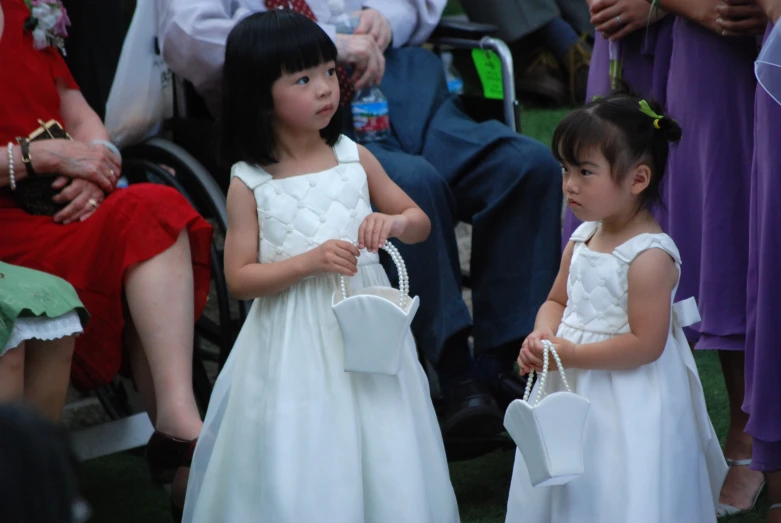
(120,491)
(453,8)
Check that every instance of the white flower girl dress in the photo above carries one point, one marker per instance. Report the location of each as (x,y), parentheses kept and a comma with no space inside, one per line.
(289,436)
(651,454)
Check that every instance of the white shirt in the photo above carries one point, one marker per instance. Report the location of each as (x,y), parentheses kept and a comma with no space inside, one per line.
(192,33)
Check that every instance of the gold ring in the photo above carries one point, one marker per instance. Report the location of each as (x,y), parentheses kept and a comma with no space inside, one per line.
(111,172)
(93,202)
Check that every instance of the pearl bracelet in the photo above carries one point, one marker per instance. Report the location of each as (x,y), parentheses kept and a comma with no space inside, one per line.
(11,165)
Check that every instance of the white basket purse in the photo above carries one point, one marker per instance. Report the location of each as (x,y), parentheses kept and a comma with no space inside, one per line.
(375,322)
(549,431)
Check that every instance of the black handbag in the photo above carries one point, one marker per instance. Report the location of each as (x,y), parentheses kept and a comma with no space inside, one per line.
(34,193)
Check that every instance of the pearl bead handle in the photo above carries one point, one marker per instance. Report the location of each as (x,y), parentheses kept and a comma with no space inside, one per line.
(547,349)
(401,268)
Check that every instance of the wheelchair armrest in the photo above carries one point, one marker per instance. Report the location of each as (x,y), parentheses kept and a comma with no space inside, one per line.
(462,29)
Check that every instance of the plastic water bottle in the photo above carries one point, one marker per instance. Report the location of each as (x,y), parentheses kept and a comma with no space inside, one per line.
(455,84)
(371,121)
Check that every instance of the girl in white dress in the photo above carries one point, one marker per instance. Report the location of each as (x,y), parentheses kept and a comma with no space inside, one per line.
(289,436)
(651,454)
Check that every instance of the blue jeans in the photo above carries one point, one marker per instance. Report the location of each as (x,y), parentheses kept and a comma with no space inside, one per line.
(506,185)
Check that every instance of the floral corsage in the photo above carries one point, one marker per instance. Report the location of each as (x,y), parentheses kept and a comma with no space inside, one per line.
(48,22)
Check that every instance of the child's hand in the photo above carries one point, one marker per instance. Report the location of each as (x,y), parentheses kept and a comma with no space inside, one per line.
(377,228)
(527,360)
(564,348)
(335,256)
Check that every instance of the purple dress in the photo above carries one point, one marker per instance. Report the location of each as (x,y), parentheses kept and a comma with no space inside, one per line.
(763,351)
(710,92)
(645,57)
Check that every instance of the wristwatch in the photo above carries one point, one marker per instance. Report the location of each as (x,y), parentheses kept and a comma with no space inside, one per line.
(24,144)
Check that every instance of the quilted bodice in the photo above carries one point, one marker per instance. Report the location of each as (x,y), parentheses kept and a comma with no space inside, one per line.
(298,213)
(598,282)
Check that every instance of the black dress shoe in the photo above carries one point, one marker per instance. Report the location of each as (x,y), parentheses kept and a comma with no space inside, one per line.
(472,424)
(511,386)
(500,373)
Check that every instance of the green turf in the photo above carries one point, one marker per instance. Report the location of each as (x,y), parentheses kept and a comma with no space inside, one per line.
(120,490)
(540,123)
(453,8)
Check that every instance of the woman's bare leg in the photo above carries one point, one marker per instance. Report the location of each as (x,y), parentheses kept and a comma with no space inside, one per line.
(142,376)
(159,295)
(12,375)
(47,370)
(741,486)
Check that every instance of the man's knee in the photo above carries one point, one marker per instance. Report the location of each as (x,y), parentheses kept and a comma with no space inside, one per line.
(427,188)
(420,177)
(416,176)
(538,167)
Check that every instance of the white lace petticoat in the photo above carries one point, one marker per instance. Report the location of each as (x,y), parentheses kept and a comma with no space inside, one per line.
(43,328)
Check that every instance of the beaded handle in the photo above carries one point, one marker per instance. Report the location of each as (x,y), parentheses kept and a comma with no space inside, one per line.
(400,267)
(547,348)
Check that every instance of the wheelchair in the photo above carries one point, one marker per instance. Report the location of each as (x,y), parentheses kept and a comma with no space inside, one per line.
(178,158)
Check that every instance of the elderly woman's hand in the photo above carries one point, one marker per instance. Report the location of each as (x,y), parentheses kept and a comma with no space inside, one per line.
(77,160)
(84,196)
(374,24)
(364,55)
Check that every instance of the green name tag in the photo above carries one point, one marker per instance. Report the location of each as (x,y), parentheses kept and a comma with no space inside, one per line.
(489,68)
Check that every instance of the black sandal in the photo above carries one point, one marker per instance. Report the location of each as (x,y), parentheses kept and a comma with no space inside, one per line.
(164,456)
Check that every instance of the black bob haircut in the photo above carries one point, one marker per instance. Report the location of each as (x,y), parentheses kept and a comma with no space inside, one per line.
(258,51)
(624,135)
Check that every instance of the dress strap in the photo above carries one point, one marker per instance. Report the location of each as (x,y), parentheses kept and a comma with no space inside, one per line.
(252,176)
(632,248)
(584,232)
(346,150)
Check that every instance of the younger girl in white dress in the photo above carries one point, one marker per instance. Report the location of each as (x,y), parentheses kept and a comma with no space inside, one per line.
(651,454)
(289,436)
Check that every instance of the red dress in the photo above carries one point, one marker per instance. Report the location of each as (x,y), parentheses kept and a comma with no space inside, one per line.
(132,225)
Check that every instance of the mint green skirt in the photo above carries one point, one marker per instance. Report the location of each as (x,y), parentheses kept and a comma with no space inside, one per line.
(36,305)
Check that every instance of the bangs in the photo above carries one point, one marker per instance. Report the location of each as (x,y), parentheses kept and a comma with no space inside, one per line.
(259,50)
(299,43)
(265,45)
(582,131)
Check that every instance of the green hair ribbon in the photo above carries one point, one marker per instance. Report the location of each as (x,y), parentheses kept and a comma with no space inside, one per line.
(646,109)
